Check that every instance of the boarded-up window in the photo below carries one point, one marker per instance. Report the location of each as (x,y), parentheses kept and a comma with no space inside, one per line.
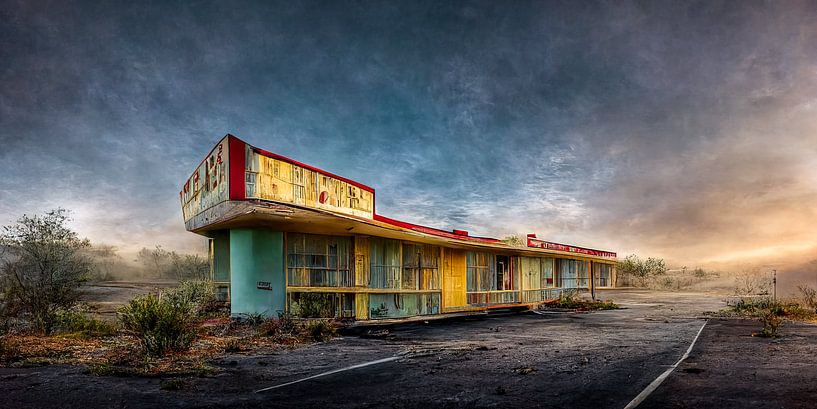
(319,261)
(421,267)
(385,265)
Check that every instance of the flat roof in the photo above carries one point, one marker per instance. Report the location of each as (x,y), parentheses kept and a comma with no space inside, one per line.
(217,217)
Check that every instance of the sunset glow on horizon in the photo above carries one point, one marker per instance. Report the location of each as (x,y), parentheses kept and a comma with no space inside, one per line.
(674,130)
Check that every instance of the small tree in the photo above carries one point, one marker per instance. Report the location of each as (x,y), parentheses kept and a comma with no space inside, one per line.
(104,262)
(632,266)
(752,282)
(515,241)
(42,268)
(189,267)
(156,261)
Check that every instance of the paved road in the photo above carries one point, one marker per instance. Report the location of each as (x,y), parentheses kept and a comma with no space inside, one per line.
(731,369)
(597,360)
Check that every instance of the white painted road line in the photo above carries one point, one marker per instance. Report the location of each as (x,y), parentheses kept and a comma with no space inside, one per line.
(334,371)
(660,379)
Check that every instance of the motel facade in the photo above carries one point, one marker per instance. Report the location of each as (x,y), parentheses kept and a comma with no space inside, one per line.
(286,237)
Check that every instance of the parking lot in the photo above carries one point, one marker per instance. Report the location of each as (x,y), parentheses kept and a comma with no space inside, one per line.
(551,359)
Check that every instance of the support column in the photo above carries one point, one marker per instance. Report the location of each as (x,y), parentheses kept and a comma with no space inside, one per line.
(257,277)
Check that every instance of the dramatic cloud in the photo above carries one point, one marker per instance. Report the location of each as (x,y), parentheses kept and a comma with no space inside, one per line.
(676,129)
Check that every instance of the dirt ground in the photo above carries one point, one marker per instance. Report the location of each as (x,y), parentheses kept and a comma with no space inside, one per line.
(554,359)
(106,297)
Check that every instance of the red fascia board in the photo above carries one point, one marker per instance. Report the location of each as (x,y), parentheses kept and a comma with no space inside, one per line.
(238,168)
(312,168)
(433,231)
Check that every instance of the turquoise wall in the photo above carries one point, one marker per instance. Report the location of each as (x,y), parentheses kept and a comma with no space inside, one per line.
(256,256)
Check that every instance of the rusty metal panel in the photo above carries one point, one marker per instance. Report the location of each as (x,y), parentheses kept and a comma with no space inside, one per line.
(208,186)
(274,179)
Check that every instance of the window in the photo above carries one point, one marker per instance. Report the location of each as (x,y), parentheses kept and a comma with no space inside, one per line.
(505,274)
(420,267)
(602,274)
(319,261)
(385,266)
(480,271)
(536,272)
(250,184)
(536,275)
(574,273)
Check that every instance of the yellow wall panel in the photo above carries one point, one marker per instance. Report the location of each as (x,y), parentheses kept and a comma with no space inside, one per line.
(284,182)
(362,306)
(361,261)
(454,278)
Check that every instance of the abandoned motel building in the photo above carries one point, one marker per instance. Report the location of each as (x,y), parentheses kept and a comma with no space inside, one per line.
(286,237)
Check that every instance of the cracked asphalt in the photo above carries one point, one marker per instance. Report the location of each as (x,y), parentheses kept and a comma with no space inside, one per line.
(579,360)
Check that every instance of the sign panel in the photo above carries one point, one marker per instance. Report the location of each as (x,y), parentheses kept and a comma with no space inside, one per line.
(541,244)
(273,179)
(208,185)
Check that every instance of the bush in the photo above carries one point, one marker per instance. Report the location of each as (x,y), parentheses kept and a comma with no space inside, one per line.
(570,299)
(160,325)
(320,330)
(284,326)
(199,295)
(77,322)
(315,305)
(771,320)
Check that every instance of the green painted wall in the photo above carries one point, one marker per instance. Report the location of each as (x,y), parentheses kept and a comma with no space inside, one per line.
(221,256)
(256,256)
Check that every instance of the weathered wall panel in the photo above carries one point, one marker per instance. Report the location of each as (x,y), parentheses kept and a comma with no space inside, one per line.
(361,262)
(362,306)
(274,179)
(208,185)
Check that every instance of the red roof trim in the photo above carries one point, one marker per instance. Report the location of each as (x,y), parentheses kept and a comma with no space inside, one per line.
(312,168)
(433,231)
(238,168)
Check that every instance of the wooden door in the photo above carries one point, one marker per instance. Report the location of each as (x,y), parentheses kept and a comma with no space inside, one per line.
(453,279)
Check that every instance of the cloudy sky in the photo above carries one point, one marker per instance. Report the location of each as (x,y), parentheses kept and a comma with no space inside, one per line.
(685,130)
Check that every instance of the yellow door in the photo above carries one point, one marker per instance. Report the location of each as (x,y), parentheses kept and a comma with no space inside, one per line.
(453,279)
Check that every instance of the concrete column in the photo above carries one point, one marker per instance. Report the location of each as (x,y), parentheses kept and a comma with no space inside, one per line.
(257,260)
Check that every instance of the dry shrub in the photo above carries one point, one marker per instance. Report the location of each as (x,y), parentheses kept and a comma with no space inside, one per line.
(76,322)
(320,330)
(771,323)
(808,297)
(199,295)
(160,325)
